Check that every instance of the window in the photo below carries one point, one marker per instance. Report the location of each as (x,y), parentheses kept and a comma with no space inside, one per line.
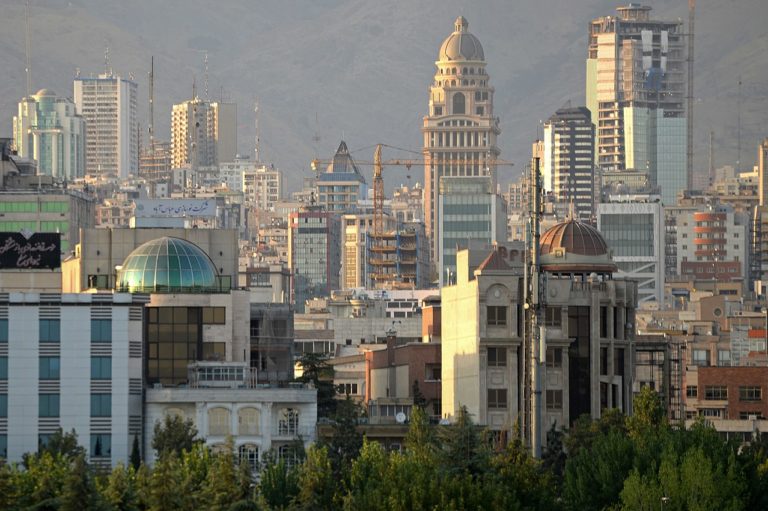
(288,422)
(715,392)
(3,446)
(101,368)
(750,393)
(438,110)
(554,399)
(692,391)
(101,330)
(603,322)
(459,101)
(50,330)
(3,330)
(497,315)
(48,405)
(711,412)
(433,372)
(214,350)
(3,405)
(553,316)
(603,361)
(723,356)
(348,389)
(497,357)
(497,399)
(755,414)
(554,357)
(214,315)
(101,445)
(101,405)
(249,453)
(3,368)
(248,421)
(49,368)
(218,422)
(701,358)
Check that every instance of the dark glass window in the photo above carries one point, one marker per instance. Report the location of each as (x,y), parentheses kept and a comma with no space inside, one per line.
(101,445)
(101,368)
(554,357)
(459,103)
(50,368)
(554,399)
(174,339)
(3,330)
(497,357)
(497,399)
(101,405)
(101,330)
(48,405)
(497,315)
(50,330)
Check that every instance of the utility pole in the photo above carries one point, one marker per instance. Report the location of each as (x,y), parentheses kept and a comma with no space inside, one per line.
(534,336)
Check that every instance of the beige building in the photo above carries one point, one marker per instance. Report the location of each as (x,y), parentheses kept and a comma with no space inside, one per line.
(588,334)
(460,128)
(203,133)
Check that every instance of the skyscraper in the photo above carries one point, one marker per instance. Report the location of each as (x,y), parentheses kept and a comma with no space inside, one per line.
(109,105)
(48,130)
(636,82)
(203,133)
(568,157)
(460,129)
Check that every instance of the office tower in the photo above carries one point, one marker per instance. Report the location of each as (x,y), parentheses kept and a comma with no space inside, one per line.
(568,156)
(633,228)
(342,185)
(108,103)
(469,211)
(460,129)
(203,133)
(48,130)
(314,254)
(636,82)
(155,162)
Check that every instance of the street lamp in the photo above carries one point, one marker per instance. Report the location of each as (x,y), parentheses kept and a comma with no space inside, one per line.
(664,501)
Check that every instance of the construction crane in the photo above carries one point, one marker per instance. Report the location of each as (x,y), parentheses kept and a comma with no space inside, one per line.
(378,175)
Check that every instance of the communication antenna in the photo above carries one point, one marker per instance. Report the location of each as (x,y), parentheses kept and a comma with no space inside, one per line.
(27,45)
(205,76)
(689,141)
(316,136)
(106,60)
(257,138)
(152,103)
(711,157)
(738,129)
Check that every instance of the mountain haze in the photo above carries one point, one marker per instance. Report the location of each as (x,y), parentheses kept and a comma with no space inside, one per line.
(362,68)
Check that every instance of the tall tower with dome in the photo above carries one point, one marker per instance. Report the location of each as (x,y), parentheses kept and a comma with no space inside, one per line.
(460,129)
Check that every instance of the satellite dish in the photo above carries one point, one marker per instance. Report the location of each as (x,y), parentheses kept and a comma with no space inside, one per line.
(400,418)
(444,422)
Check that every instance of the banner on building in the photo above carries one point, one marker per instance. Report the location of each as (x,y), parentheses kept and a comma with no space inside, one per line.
(30,251)
(148,208)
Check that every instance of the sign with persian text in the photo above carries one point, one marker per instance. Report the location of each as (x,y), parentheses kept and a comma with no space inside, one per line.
(174,208)
(24,251)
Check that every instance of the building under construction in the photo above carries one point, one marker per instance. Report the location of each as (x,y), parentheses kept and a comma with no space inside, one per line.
(398,258)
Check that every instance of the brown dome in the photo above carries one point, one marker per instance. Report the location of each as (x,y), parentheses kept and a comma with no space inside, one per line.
(575,237)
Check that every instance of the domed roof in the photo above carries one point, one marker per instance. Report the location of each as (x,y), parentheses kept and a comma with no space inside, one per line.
(45,92)
(461,45)
(575,237)
(167,265)
(575,246)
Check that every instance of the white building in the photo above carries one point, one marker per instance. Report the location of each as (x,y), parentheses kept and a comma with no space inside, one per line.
(203,133)
(633,228)
(262,187)
(109,105)
(71,361)
(48,130)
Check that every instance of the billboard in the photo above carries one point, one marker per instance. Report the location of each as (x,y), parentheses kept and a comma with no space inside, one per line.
(30,251)
(149,208)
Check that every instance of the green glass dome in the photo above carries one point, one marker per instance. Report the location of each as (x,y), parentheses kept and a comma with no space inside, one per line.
(167,265)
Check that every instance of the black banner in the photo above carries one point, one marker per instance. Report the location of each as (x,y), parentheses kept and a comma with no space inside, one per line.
(40,250)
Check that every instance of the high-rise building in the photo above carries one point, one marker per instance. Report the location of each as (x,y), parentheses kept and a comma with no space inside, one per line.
(636,83)
(262,187)
(155,162)
(633,228)
(762,172)
(48,130)
(314,254)
(568,156)
(469,211)
(203,133)
(460,128)
(109,104)
(342,185)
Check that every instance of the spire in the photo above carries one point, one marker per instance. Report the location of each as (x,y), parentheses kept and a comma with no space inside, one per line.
(461,24)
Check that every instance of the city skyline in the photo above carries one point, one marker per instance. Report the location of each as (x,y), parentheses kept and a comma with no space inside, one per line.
(289,105)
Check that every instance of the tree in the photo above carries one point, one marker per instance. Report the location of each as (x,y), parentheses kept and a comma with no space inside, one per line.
(420,439)
(648,413)
(346,441)
(79,492)
(461,449)
(221,488)
(120,490)
(317,485)
(315,370)
(135,459)
(174,435)
(279,485)
(418,397)
(367,487)
(64,444)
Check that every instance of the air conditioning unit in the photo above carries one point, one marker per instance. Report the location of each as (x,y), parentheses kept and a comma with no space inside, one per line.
(752,417)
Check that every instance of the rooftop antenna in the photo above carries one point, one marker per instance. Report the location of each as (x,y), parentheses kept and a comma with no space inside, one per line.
(205,76)
(738,129)
(711,157)
(152,103)
(194,88)
(27,45)
(689,120)
(257,141)
(106,61)
(316,136)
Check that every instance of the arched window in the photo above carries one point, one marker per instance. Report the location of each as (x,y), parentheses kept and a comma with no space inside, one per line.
(464,83)
(453,71)
(459,103)
(248,421)
(471,70)
(288,422)
(249,453)
(453,83)
(218,422)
